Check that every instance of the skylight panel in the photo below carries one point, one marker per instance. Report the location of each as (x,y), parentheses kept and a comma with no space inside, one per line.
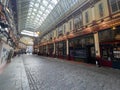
(33,13)
(29,34)
(38,11)
(42,8)
(36,4)
(31,5)
(45,2)
(50,7)
(28,17)
(47,11)
(35,10)
(54,1)
(38,15)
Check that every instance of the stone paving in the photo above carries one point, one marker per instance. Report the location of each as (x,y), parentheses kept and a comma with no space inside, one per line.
(30,72)
(14,76)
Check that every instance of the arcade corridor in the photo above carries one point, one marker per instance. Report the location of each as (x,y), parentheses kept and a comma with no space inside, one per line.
(33,72)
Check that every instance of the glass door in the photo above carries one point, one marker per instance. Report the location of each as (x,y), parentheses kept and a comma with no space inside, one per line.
(116,56)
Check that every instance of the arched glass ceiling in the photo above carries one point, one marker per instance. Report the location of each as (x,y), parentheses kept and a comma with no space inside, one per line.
(32,13)
(38,11)
(59,12)
(40,15)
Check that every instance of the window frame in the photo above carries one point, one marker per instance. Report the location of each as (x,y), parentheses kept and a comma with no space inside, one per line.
(87,17)
(101,5)
(118,9)
(79,23)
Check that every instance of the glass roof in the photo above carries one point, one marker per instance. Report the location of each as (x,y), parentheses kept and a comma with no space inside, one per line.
(38,11)
(40,15)
(31,13)
(59,12)
(29,33)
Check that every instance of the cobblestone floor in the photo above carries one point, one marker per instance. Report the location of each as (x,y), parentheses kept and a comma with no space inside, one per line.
(30,72)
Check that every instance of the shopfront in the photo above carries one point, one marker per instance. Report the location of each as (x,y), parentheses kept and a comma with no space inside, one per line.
(50,50)
(43,50)
(110,47)
(61,49)
(82,49)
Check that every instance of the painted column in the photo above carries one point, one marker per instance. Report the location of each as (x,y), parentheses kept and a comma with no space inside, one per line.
(96,39)
(54,49)
(67,49)
(97,47)
(93,13)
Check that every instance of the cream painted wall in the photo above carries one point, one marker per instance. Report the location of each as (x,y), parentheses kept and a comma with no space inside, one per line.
(67,27)
(71,20)
(63,28)
(105,8)
(89,10)
(92,17)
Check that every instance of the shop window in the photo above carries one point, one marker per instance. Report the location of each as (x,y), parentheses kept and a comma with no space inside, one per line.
(106,35)
(117,34)
(89,40)
(116,52)
(115,5)
(101,11)
(86,17)
(78,21)
(92,51)
(71,44)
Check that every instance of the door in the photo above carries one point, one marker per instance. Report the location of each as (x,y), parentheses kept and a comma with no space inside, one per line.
(106,55)
(91,54)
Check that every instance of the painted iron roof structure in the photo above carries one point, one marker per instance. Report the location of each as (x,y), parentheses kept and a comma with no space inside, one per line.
(40,15)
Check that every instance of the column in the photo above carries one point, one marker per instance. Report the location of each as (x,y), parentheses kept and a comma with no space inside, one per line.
(97,48)
(93,13)
(67,49)
(54,49)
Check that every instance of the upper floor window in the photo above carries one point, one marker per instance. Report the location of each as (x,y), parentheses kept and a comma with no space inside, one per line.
(60,30)
(86,17)
(101,10)
(78,21)
(64,28)
(115,5)
(70,25)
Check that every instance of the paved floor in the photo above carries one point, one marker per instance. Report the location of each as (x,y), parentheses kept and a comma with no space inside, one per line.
(30,72)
